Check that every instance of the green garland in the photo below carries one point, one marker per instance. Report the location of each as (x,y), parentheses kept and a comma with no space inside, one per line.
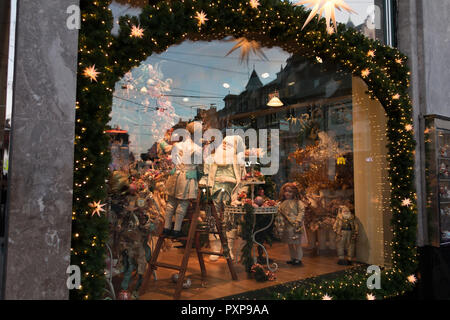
(274,23)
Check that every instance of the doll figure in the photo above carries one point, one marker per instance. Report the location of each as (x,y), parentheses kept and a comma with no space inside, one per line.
(290,222)
(223,172)
(182,185)
(346,230)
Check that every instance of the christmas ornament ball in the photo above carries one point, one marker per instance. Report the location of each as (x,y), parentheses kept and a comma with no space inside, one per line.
(259,201)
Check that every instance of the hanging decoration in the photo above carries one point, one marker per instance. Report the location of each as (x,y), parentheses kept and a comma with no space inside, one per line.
(136,32)
(201,17)
(91,73)
(247,47)
(254,4)
(98,208)
(327,8)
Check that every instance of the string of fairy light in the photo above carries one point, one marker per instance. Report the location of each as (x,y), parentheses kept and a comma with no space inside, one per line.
(104,59)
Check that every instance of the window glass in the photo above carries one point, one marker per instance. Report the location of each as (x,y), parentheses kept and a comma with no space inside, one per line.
(307,151)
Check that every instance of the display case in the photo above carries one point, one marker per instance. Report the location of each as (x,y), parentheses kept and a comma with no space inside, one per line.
(437,149)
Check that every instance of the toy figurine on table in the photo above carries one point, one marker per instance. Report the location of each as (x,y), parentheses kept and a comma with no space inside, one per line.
(222,174)
(182,184)
(346,229)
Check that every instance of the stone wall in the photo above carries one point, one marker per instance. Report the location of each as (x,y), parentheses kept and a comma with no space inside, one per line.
(41,162)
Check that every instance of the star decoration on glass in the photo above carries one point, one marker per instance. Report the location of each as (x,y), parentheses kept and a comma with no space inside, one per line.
(370,296)
(247,46)
(254,4)
(91,73)
(201,17)
(137,32)
(371,53)
(406,202)
(365,73)
(326,8)
(412,279)
(98,207)
(326,297)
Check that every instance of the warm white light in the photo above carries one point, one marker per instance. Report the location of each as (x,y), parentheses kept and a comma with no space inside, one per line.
(185,99)
(265,75)
(226,85)
(275,102)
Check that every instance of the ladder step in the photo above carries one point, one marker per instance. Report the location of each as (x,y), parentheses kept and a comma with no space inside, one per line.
(167,266)
(212,253)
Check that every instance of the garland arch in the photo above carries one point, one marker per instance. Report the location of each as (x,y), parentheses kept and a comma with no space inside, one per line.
(273,23)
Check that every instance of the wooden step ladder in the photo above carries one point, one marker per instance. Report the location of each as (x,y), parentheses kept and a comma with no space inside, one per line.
(193,235)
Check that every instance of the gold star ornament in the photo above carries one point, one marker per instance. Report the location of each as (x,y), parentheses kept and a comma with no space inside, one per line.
(406,202)
(327,297)
(326,8)
(412,279)
(91,73)
(201,18)
(370,296)
(98,207)
(365,73)
(254,4)
(247,46)
(137,32)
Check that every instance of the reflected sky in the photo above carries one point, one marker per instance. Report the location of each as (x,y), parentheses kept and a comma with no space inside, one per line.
(193,75)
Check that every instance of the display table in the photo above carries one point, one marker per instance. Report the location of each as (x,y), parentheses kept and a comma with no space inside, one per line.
(239,210)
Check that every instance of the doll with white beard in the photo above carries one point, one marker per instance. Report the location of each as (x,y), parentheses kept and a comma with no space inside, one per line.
(223,171)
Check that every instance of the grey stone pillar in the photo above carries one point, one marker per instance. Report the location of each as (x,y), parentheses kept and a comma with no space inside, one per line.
(42,147)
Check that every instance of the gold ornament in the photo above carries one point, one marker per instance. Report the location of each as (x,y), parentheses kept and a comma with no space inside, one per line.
(326,297)
(406,202)
(370,296)
(408,127)
(98,207)
(326,7)
(254,4)
(371,53)
(91,73)
(412,279)
(137,32)
(247,46)
(365,73)
(201,17)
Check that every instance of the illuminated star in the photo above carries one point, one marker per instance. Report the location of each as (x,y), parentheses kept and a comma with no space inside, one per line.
(254,4)
(98,207)
(137,32)
(412,279)
(247,46)
(399,61)
(365,73)
(370,296)
(319,59)
(91,73)
(201,17)
(396,97)
(406,202)
(371,53)
(408,127)
(326,8)
(327,297)
(330,30)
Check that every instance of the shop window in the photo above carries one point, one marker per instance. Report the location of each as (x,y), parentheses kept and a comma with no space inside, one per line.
(330,146)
